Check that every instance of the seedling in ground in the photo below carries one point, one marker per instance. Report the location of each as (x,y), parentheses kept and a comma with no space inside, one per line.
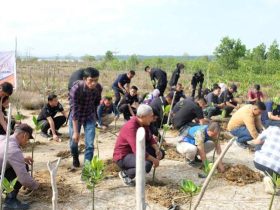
(276,185)
(7,187)
(188,187)
(92,174)
(37,128)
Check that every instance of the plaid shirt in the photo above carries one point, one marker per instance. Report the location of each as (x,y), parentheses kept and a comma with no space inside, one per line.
(269,155)
(84,102)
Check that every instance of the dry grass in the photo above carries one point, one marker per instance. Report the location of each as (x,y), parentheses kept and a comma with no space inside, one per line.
(30,100)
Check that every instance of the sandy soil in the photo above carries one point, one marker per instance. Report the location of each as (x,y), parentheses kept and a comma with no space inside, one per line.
(111,194)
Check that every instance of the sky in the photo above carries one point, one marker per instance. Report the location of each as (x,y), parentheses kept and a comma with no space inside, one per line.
(142,27)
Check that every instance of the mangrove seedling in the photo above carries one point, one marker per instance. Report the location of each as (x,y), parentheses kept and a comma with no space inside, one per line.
(7,187)
(276,184)
(37,127)
(188,187)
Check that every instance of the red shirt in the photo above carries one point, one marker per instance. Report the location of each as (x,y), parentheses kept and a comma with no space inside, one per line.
(126,141)
(253,95)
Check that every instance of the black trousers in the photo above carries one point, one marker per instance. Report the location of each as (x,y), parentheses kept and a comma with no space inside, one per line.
(199,89)
(265,169)
(3,132)
(117,92)
(161,88)
(125,111)
(128,163)
(58,122)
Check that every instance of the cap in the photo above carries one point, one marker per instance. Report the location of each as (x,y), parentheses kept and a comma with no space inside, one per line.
(234,87)
(26,128)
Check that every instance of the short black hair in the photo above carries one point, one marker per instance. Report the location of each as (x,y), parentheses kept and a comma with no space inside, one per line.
(134,88)
(132,72)
(7,88)
(180,66)
(216,87)
(91,72)
(200,99)
(257,87)
(109,98)
(261,105)
(51,97)
(146,68)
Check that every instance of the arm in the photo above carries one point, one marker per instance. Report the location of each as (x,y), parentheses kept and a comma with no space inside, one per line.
(259,124)
(273,117)
(52,126)
(74,96)
(127,87)
(121,87)
(250,98)
(219,151)
(249,122)
(99,114)
(130,110)
(3,122)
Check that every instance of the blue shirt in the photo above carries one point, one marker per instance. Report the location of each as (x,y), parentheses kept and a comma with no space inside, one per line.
(103,110)
(197,135)
(123,79)
(269,108)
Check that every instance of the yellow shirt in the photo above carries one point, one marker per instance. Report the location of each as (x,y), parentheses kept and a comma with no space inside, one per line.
(245,116)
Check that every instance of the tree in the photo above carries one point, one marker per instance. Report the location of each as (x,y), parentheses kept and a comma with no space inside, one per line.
(273,51)
(229,52)
(132,61)
(109,56)
(88,58)
(258,53)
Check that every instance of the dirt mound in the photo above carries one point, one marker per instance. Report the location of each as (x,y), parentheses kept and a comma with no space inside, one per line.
(171,153)
(66,153)
(241,175)
(111,168)
(44,193)
(164,195)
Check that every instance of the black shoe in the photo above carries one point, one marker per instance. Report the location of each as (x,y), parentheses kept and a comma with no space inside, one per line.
(197,160)
(243,145)
(76,162)
(45,135)
(193,163)
(126,180)
(13,203)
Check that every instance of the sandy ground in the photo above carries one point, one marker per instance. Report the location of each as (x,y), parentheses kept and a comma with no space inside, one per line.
(111,194)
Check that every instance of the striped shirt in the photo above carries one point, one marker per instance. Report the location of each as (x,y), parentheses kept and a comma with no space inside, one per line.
(269,155)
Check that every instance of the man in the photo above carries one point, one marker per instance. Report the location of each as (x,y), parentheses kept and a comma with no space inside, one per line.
(125,147)
(246,124)
(158,78)
(214,107)
(271,116)
(179,93)
(129,103)
(122,85)
(255,95)
(186,111)
(198,78)
(227,99)
(75,76)
(107,112)
(6,90)
(48,119)
(17,165)
(199,140)
(148,99)
(176,75)
(85,96)
(159,105)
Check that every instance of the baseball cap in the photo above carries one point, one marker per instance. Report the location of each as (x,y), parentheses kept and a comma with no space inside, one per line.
(26,128)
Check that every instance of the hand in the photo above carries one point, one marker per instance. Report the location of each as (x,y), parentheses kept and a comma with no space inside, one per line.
(28,160)
(55,137)
(221,168)
(156,138)
(156,163)
(103,127)
(76,137)
(159,154)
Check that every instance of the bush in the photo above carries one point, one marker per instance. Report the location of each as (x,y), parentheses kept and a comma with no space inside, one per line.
(30,100)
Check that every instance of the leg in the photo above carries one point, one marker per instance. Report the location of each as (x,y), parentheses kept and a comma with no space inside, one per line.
(199,89)
(242,134)
(274,123)
(117,96)
(161,88)
(89,127)
(59,121)
(213,111)
(265,169)
(193,89)
(45,126)
(128,165)
(73,145)
(108,119)
(187,149)
(124,109)
(228,110)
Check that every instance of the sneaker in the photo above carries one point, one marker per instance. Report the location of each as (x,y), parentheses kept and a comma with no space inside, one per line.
(243,145)
(76,162)
(45,135)
(268,185)
(13,203)
(126,180)
(193,163)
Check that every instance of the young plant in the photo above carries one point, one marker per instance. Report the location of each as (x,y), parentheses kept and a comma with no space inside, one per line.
(19,116)
(190,188)
(7,187)
(97,131)
(93,172)
(37,128)
(207,166)
(276,184)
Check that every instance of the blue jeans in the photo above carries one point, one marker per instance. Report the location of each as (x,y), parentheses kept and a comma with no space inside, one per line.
(268,123)
(242,134)
(89,128)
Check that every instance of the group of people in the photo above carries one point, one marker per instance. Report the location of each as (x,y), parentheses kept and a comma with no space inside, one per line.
(192,116)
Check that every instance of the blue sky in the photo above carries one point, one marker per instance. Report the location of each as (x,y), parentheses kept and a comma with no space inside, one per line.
(146,27)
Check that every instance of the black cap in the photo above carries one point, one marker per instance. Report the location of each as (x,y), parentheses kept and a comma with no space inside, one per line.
(234,87)
(26,128)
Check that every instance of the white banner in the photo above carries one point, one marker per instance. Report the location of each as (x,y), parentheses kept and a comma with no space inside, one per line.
(8,67)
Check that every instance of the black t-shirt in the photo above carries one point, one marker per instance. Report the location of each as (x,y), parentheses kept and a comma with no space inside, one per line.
(157,105)
(75,76)
(212,98)
(226,96)
(159,75)
(128,99)
(48,111)
(178,96)
(186,111)
(123,79)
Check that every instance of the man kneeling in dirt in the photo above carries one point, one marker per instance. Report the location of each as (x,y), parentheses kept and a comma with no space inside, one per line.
(125,148)
(48,120)
(17,165)
(199,140)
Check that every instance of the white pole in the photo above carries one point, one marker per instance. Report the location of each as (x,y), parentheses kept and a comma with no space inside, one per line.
(140,169)
(171,107)
(53,171)
(6,150)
